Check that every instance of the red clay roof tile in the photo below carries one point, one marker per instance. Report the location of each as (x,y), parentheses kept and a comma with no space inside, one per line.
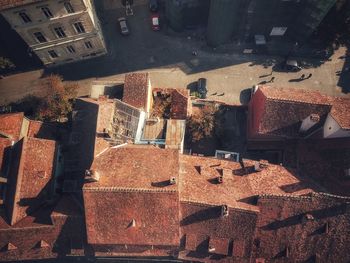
(11,124)
(341,112)
(136,88)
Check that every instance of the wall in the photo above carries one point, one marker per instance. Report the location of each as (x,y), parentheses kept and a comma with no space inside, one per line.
(331,129)
(255,111)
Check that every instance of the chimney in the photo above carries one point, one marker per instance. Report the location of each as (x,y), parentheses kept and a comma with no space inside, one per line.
(172,181)
(220,179)
(258,166)
(224,210)
(309,122)
(92,176)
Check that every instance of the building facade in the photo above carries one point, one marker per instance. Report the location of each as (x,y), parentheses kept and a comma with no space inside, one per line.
(57,31)
(291,20)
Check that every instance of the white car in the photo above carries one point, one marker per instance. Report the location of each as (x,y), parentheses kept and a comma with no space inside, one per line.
(124,30)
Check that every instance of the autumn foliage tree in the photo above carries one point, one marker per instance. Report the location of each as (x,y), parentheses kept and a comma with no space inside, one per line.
(57,103)
(202,124)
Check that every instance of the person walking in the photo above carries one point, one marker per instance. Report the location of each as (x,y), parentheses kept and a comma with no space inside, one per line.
(310,75)
(302,76)
(272,80)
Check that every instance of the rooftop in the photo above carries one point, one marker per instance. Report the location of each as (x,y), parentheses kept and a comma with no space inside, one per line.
(136,88)
(137,167)
(32,166)
(341,112)
(295,95)
(199,182)
(11,125)
(280,111)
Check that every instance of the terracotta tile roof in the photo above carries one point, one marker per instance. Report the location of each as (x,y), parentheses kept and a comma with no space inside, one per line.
(179,103)
(280,111)
(32,164)
(295,95)
(5,145)
(136,88)
(6,4)
(132,218)
(136,167)
(133,187)
(11,124)
(282,217)
(39,129)
(219,245)
(238,184)
(341,112)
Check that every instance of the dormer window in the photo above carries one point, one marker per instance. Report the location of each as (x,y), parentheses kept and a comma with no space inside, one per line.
(25,17)
(69,8)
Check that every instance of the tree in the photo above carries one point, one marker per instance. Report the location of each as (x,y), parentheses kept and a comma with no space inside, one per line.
(57,103)
(202,124)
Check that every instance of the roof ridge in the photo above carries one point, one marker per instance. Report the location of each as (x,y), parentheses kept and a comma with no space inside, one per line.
(127,189)
(300,101)
(214,205)
(322,194)
(298,197)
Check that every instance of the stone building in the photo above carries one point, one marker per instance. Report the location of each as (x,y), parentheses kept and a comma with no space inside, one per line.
(275,20)
(56,31)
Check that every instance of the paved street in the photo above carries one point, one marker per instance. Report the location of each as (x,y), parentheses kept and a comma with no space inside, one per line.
(170,61)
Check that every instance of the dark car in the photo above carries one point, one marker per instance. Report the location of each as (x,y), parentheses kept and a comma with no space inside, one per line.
(153,5)
(202,88)
(288,65)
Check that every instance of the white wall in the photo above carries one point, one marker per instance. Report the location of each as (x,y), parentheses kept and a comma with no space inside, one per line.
(331,129)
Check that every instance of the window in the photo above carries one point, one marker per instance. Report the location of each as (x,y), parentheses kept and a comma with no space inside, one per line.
(79,27)
(71,49)
(88,45)
(47,12)
(25,17)
(59,32)
(40,37)
(53,54)
(69,8)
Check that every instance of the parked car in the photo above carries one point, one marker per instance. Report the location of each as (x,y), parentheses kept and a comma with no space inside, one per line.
(155,22)
(202,88)
(292,65)
(124,30)
(289,65)
(153,5)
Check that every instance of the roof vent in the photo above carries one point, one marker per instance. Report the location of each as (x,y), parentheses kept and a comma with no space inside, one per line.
(211,249)
(172,181)
(42,244)
(198,168)
(9,246)
(132,223)
(258,166)
(224,210)
(309,217)
(92,176)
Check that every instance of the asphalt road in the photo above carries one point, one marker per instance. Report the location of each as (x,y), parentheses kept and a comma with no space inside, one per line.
(170,61)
